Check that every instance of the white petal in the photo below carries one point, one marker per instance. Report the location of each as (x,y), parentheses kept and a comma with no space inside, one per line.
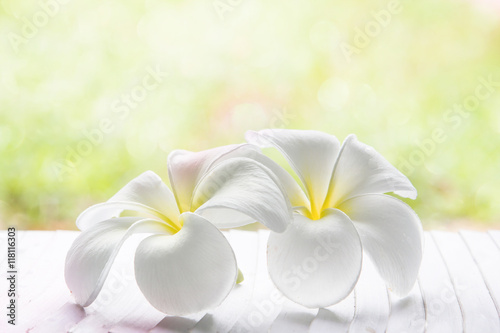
(225,218)
(245,188)
(107,210)
(311,154)
(316,263)
(146,194)
(191,271)
(186,168)
(391,234)
(360,169)
(294,192)
(92,253)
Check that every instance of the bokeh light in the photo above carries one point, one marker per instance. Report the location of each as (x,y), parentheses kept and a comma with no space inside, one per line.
(93,93)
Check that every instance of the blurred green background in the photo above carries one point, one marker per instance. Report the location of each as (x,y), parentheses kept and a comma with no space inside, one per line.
(92,93)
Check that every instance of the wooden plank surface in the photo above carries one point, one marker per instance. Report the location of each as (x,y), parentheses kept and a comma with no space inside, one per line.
(266,301)
(372,301)
(41,281)
(458,290)
(335,318)
(478,310)
(407,314)
(442,310)
(486,255)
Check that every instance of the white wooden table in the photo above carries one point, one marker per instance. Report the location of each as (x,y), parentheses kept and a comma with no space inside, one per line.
(458,290)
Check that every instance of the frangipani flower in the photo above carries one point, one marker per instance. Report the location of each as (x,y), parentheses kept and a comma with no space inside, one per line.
(187,265)
(341,211)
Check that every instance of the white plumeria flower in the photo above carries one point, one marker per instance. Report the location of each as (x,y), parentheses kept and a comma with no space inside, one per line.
(187,265)
(339,211)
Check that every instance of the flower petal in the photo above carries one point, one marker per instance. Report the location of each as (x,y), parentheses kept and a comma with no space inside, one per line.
(360,169)
(146,194)
(392,236)
(225,218)
(185,168)
(245,188)
(191,271)
(295,194)
(311,154)
(92,253)
(316,263)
